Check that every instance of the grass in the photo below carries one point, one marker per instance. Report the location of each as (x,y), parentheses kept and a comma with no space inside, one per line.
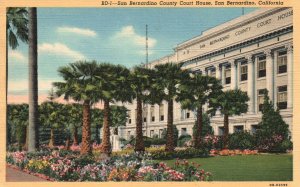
(270,167)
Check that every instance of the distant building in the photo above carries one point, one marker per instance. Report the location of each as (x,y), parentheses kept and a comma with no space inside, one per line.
(251,52)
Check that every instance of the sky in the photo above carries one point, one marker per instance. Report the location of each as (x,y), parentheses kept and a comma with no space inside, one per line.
(114,35)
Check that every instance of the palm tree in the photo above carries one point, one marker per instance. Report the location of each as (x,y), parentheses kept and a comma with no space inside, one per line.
(167,79)
(230,102)
(33,81)
(80,85)
(140,81)
(193,94)
(113,86)
(16,29)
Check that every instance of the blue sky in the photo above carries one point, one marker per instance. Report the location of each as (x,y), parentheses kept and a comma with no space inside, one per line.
(114,35)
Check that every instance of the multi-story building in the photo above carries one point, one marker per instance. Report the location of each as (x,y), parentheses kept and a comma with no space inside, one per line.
(252,52)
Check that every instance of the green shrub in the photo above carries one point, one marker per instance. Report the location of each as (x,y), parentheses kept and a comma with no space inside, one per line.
(241,140)
(182,139)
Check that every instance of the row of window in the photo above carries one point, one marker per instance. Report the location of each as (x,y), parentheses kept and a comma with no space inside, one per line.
(161,114)
(281,98)
(239,128)
(261,68)
(281,104)
(159,135)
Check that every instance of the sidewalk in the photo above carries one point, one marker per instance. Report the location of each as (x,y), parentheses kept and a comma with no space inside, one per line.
(13,175)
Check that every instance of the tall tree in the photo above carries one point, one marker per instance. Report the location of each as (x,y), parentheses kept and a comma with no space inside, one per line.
(230,102)
(33,81)
(113,86)
(80,84)
(16,29)
(18,121)
(273,130)
(193,94)
(140,81)
(52,114)
(167,80)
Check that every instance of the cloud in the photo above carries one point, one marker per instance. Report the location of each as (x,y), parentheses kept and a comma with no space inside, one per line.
(16,55)
(76,30)
(60,49)
(21,86)
(128,35)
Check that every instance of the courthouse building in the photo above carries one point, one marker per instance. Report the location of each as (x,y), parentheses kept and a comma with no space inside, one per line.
(252,52)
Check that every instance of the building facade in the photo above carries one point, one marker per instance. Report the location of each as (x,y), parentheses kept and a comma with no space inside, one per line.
(252,52)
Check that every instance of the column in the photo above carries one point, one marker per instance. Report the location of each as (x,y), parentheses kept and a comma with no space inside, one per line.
(269,73)
(250,84)
(238,73)
(223,74)
(290,75)
(209,72)
(254,83)
(233,75)
(218,72)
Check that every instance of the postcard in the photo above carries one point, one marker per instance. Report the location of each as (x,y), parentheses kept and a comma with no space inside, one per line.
(178,93)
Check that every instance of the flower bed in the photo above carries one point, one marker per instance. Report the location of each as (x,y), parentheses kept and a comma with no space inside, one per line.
(62,165)
(227,152)
(159,153)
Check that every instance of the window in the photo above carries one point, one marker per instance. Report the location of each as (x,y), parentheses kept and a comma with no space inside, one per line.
(227,75)
(238,128)
(254,129)
(128,134)
(144,133)
(183,131)
(161,112)
(213,73)
(282,62)
(151,133)
(260,99)
(282,97)
(152,113)
(188,115)
(160,133)
(221,131)
(129,116)
(145,113)
(261,66)
(244,72)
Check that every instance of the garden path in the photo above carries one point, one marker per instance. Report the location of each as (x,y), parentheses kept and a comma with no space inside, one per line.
(13,175)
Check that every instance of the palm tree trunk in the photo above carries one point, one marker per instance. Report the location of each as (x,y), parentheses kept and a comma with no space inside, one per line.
(6,82)
(86,147)
(170,134)
(197,138)
(75,135)
(51,142)
(139,143)
(33,81)
(106,146)
(226,130)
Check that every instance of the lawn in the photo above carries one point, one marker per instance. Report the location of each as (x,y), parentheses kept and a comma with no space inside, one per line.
(271,167)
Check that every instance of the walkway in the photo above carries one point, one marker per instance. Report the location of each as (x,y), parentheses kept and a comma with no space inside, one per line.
(13,175)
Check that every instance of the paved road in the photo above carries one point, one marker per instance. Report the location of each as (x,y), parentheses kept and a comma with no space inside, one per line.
(13,175)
